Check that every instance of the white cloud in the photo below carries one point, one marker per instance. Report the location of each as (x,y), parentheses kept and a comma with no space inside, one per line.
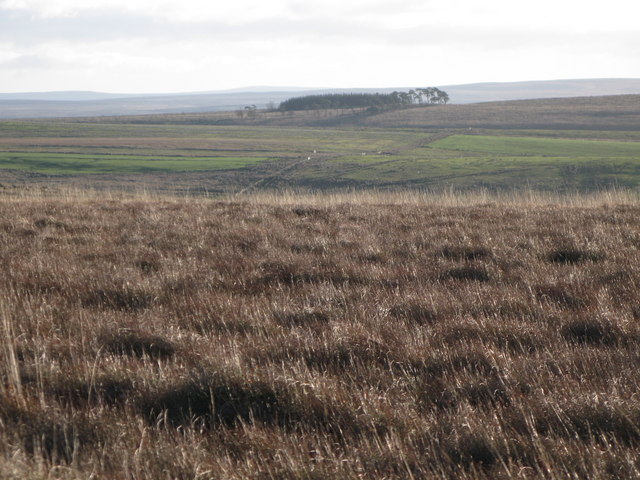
(182,11)
(170,45)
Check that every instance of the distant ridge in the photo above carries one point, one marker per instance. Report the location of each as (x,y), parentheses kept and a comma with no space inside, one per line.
(85,103)
(489,92)
(66,96)
(82,95)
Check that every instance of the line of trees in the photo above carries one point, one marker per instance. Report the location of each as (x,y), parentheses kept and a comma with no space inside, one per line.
(418,96)
(428,95)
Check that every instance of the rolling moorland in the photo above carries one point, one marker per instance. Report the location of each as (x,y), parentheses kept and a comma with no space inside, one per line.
(209,328)
(578,144)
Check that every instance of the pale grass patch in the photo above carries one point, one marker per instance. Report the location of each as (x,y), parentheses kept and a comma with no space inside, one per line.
(326,199)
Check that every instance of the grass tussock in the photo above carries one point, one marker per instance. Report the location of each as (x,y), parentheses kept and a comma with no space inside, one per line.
(467,274)
(53,438)
(414,313)
(320,337)
(105,389)
(472,449)
(307,318)
(457,252)
(591,332)
(573,255)
(136,344)
(215,399)
(118,299)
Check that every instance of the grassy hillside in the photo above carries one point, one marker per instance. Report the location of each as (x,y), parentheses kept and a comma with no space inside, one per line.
(503,145)
(437,148)
(494,162)
(373,336)
(619,112)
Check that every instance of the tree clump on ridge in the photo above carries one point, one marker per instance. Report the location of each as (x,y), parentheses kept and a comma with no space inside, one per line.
(419,96)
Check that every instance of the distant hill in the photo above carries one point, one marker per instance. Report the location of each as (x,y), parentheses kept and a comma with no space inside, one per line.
(489,92)
(84,104)
(68,96)
(611,112)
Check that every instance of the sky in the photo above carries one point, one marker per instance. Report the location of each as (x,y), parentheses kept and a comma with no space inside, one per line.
(154,46)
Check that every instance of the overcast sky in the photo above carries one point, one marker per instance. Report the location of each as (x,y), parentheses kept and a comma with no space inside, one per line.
(200,45)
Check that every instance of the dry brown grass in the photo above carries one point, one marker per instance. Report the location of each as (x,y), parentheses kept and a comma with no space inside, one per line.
(320,336)
(615,112)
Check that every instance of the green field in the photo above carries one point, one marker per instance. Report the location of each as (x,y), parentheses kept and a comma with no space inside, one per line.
(72,164)
(324,157)
(78,136)
(497,162)
(501,145)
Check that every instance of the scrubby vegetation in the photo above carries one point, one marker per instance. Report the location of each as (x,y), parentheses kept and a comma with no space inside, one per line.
(364,336)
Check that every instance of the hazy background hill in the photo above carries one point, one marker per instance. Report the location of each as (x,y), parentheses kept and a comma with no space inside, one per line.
(81,104)
(610,112)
